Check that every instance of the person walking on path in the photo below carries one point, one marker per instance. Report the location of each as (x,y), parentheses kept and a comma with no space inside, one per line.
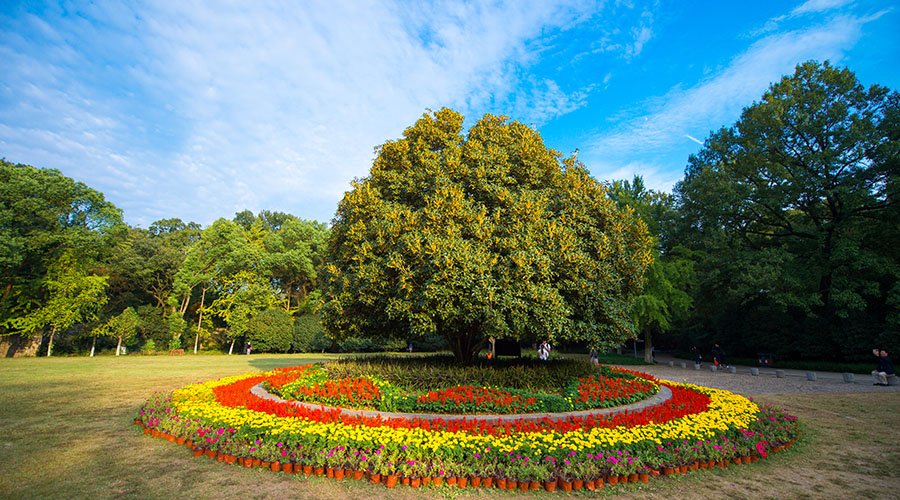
(885,367)
(249,348)
(719,356)
(698,359)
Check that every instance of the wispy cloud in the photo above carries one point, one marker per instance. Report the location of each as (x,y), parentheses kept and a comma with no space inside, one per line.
(259,106)
(658,130)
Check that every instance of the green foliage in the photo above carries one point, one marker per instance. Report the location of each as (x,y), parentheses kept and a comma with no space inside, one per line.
(487,234)
(793,212)
(309,336)
(122,327)
(73,296)
(271,331)
(42,215)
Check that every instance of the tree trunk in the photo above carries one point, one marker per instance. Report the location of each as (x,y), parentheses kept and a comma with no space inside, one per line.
(199,321)
(50,344)
(464,344)
(119,346)
(230,349)
(648,346)
(93,343)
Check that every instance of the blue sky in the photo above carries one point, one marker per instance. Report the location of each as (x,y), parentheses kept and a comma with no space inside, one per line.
(197,110)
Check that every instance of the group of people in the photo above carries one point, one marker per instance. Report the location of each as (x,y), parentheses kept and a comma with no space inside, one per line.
(718,356)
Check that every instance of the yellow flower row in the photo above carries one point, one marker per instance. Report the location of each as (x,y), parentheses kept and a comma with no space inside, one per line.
(726,411)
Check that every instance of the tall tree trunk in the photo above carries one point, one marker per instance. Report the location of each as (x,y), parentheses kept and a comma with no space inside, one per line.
(119,346)
(93,343)
(230,349)
(199,321)
(648,345)
(50,344)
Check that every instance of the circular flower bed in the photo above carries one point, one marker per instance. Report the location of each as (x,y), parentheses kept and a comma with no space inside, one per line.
(697,427)
(315,384)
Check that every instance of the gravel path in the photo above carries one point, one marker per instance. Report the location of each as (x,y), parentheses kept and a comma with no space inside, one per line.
(795,381)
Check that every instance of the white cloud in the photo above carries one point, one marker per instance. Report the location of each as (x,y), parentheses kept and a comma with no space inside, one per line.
(214,108)
(661,126)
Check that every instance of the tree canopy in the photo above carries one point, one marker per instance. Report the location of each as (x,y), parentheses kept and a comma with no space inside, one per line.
(484,234)
(795,210)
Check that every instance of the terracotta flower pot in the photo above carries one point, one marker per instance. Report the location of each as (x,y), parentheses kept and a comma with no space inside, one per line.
(487,482)
(437,481)
(287,467)
(189,443)
(307,469)
(565,485)
(339,474)
(476,482)
(319,471)
(745,459)
(179,440)
(414,483)
(275,466)
(534,485)
(524,485)
(211,453)
(550,485)
(501,483)
(391,481)
(257,462)
(684,469)
(358,474)
(329,472)
(577,484)
(375,478)
(199,452)
(721,464)
(451,481)
(147,430)
(644,477)
(711,463)
(426,481)
(462,482)
(598,483)
(633,478)
(655,472)
(613,480)
(754,459)
(511,485)
(248,462)
(694,466)
(736,461)
(154,432)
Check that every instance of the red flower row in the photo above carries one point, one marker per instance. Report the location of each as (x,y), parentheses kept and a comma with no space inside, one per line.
(463,395)
(683,402)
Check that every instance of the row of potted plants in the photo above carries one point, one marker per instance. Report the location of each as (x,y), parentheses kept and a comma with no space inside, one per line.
(409,476)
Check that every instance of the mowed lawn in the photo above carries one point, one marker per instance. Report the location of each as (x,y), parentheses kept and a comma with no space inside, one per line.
(66,431)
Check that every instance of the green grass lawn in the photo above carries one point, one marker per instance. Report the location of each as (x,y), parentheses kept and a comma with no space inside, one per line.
(66,432)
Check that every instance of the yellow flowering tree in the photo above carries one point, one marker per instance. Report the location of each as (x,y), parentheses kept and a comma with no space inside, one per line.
(490,233)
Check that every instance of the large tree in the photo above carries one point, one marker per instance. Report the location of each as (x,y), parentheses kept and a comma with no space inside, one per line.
(794,208)
(484,234)
(43,214)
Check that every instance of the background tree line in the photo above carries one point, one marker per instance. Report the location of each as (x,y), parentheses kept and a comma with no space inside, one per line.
(783,237)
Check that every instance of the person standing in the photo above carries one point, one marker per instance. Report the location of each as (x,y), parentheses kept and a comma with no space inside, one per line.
(885,367)
(593,355)
(544,351)
(249,348)
(719,356)
(698,359)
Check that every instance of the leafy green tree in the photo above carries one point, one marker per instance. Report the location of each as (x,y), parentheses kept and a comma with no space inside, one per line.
(240,298)
(665,298)
(42,214)
(73,296)
(487,234)
(792,207)
(309,335)
(271,330)
(121,327)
